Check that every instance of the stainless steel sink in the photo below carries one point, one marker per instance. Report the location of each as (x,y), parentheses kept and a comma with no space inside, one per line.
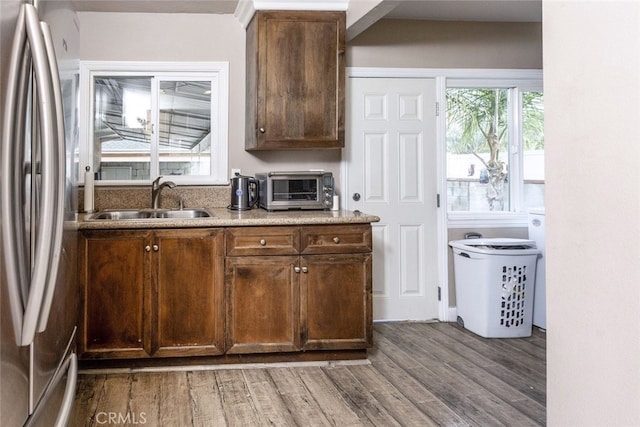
(150,214)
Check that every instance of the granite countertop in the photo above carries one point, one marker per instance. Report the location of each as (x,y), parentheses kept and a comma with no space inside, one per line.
(228,218)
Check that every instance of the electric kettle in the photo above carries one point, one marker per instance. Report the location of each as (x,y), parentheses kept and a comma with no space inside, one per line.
(244,193)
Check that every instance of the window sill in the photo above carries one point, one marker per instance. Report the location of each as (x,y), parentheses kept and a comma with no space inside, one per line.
(486,220)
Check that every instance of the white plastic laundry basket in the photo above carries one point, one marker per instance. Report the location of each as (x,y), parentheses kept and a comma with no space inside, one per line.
(495,281)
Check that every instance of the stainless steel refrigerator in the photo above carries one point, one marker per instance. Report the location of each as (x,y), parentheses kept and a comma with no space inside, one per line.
(38,190)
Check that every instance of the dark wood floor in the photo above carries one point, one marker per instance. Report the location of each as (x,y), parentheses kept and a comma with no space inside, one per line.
(419,374)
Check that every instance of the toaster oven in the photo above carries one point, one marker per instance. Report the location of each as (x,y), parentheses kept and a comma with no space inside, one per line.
(295,190)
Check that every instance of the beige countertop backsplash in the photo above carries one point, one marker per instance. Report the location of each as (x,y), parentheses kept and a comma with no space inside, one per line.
(140,197)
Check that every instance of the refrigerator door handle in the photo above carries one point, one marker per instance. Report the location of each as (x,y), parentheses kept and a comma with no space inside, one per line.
(10,204)
(70,368)
(59,172)
(45,235)
(70,391)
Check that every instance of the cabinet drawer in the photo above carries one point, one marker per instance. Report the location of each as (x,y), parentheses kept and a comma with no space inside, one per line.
(262,241)
(336,239)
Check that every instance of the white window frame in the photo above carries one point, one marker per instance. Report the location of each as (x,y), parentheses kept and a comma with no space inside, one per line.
(518,81)
(217,72)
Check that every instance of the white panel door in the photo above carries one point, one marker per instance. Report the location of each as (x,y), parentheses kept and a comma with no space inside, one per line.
(390,158)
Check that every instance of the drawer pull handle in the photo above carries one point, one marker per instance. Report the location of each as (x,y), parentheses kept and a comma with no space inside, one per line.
(296,269)
(336,240)
(263,242)
(147,248)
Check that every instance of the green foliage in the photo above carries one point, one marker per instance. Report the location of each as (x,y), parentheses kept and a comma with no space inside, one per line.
(474,116)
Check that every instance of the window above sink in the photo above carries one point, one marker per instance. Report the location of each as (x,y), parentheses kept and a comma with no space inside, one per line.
(146,119)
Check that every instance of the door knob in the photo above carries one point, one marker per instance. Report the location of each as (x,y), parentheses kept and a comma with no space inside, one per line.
(356,196)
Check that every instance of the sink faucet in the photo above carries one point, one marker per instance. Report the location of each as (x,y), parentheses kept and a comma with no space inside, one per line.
(156,187)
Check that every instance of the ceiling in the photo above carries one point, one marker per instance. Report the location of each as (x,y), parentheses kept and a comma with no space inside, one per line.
(447,10)
(469,10)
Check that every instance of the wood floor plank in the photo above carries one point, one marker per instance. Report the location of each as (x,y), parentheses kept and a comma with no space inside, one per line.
(144,404)
(420,374)
(499,351)
(414,391)
(206,400)
(387,395)
(114,401)
(301,403)
(175,402)
(454,394)
(361,401)
(508,362)
(331,402)
(502,383)
(88,394)
(270,407)
(236,399)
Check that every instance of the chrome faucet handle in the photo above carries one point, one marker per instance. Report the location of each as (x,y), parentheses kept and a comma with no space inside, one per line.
(156,182)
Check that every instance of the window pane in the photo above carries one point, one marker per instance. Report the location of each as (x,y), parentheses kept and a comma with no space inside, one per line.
(533,141)
(477,149)
(185,127)
(122,129)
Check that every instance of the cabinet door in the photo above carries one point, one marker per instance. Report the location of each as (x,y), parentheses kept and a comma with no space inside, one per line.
(115,284)
(263,304)
(296,72)
(336,301)
(189,291)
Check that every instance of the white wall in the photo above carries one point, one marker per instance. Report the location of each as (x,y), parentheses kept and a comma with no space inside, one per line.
(447,44)
(592,114)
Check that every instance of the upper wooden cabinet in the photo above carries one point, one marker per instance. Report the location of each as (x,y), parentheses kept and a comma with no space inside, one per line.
(295,80)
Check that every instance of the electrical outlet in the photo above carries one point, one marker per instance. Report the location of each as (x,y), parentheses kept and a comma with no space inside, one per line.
(235,172)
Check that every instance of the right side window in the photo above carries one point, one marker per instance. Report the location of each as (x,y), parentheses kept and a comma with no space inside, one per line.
(495,149)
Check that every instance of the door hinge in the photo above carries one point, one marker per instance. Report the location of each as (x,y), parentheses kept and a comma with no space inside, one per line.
(437,109)
(438,200)
(439,293)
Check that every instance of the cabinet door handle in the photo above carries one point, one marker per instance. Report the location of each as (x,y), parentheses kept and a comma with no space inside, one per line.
(262,130)
(263,242)
(147,248)
(155,248)
(305,270)
(296,269)
(336,240)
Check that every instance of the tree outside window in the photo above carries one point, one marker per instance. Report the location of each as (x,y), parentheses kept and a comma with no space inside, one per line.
(482,125)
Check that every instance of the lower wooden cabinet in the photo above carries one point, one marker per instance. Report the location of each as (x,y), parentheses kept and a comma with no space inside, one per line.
(189,315)
(151,293)
(278,303)
(263,304)
(115,283)
(335,293)
(234,291)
